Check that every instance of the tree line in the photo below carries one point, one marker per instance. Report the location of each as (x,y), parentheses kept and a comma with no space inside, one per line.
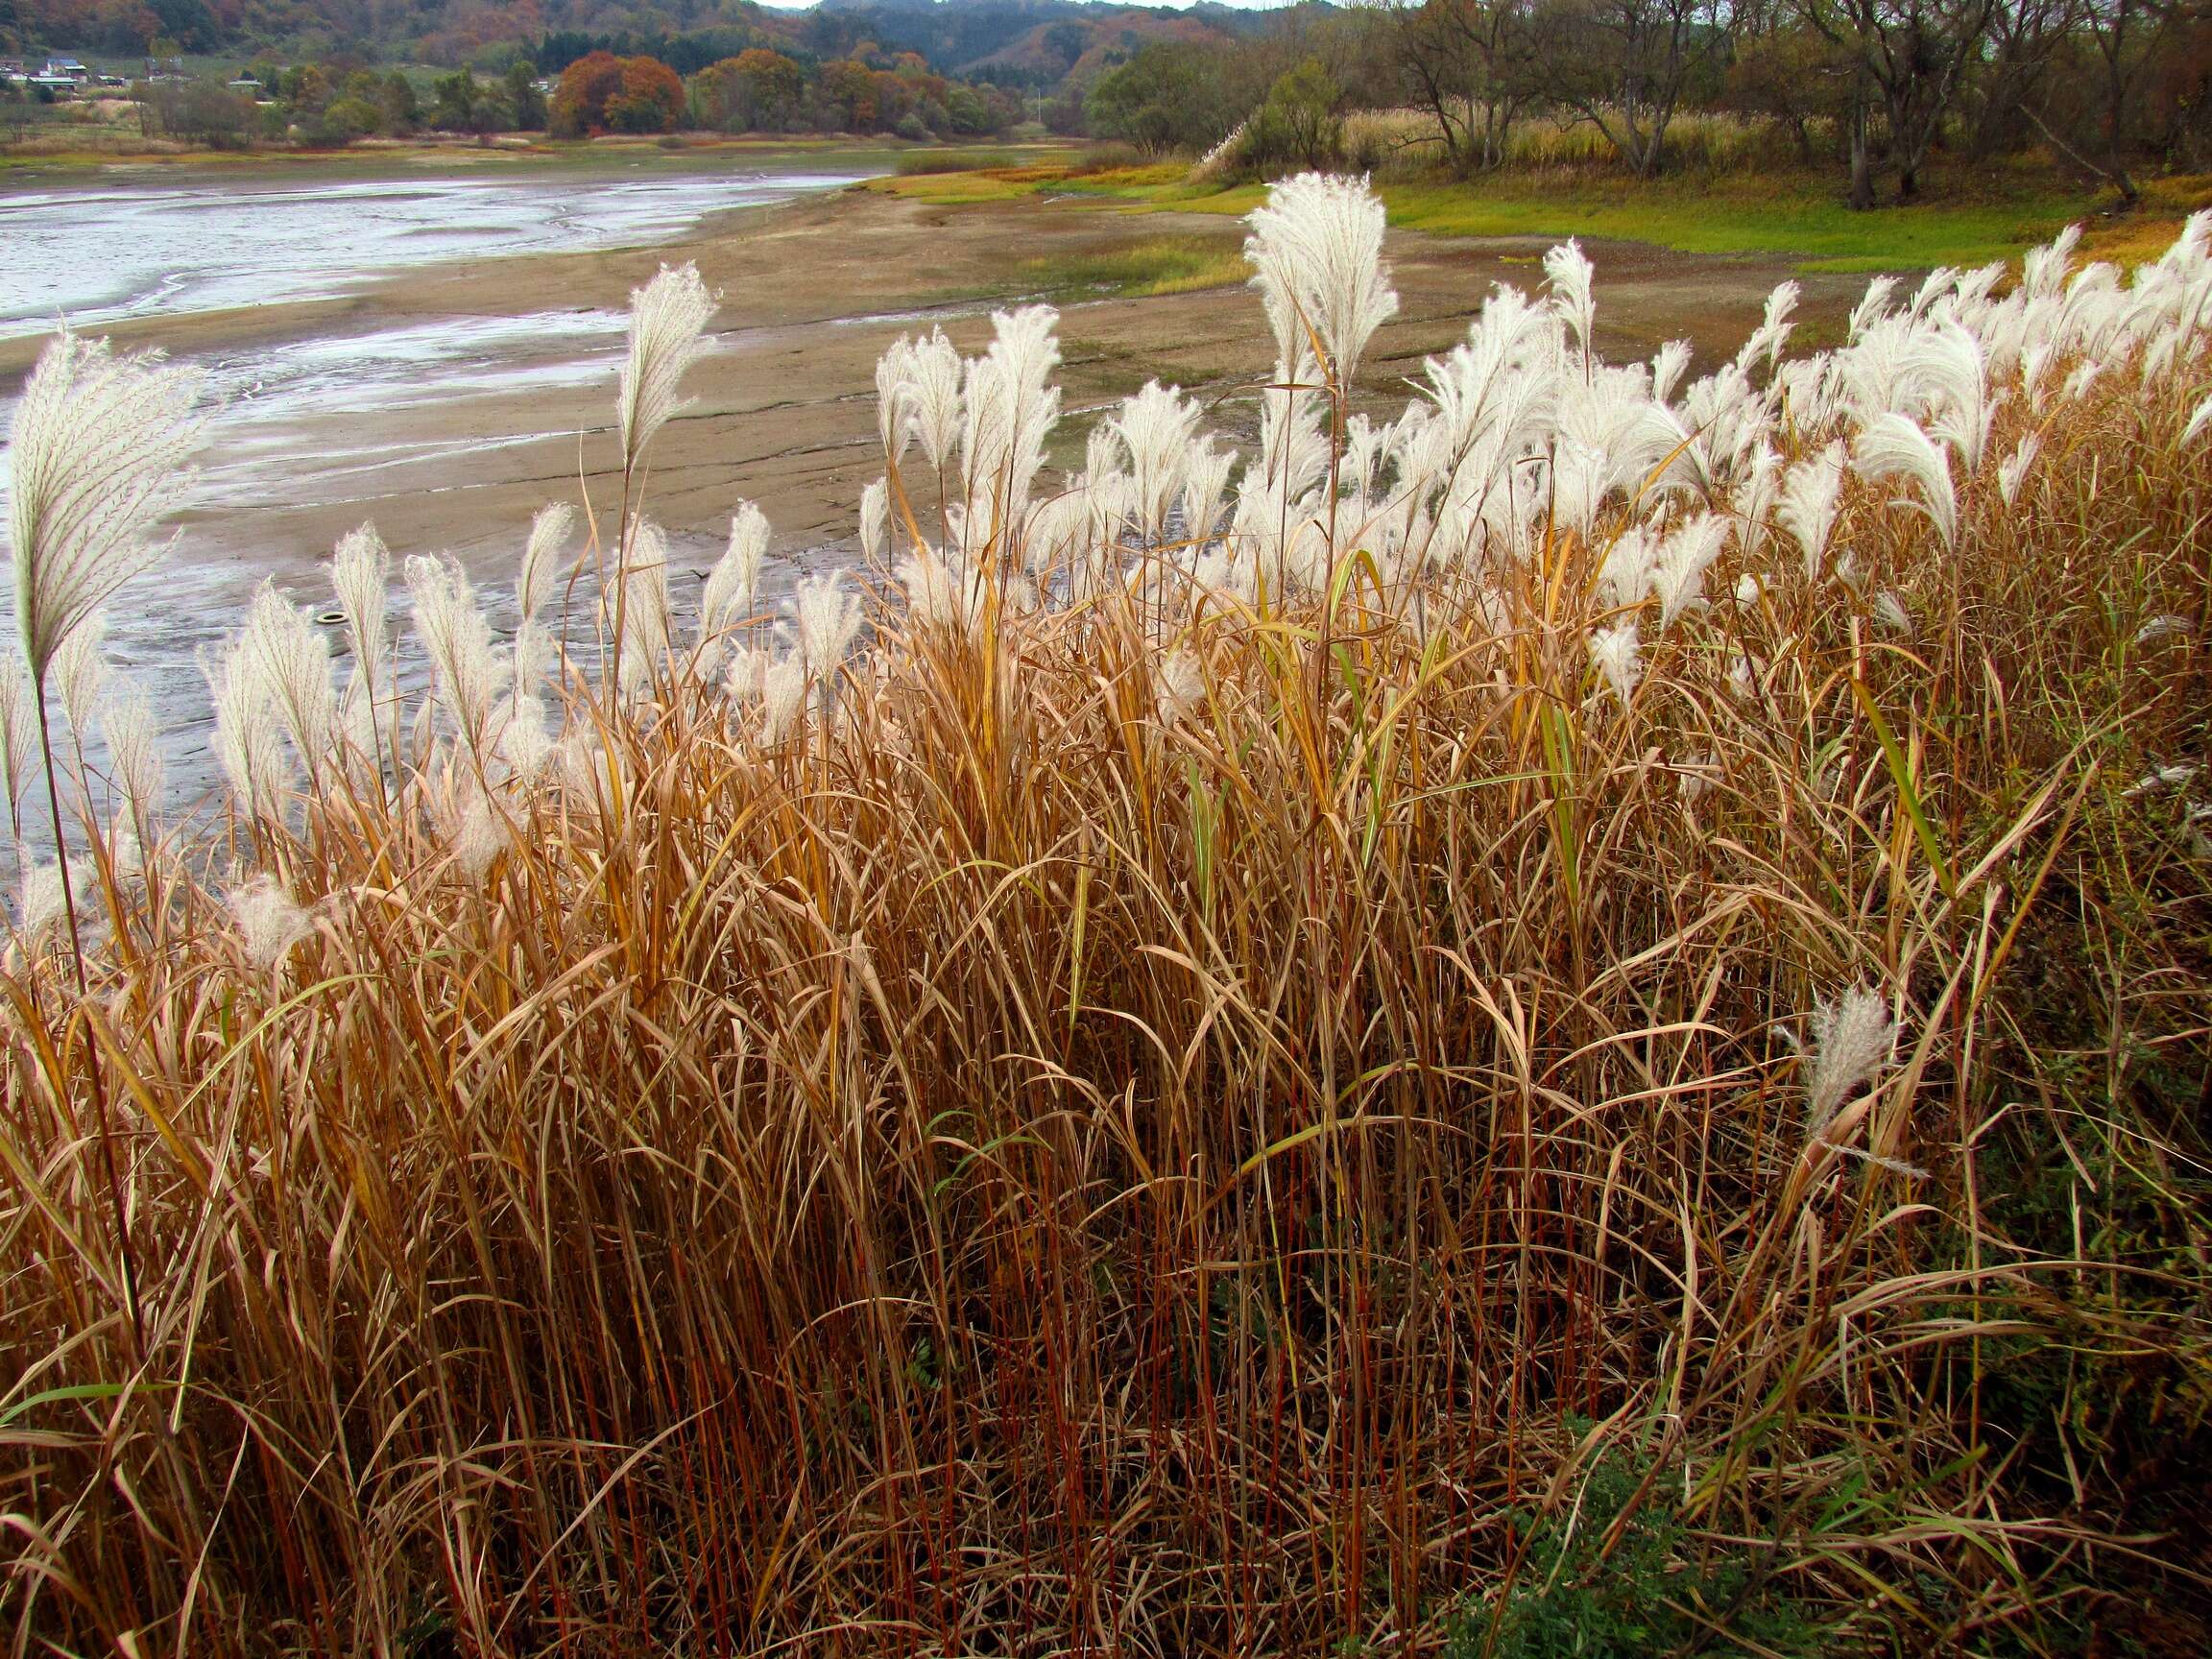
(756,91)
(1867,89)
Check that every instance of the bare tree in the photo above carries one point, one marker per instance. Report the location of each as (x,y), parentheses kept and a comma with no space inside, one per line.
(1623,65)
(1911,58)
(1467,63)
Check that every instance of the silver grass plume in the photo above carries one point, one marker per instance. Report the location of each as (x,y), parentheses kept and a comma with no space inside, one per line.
(1849,1041)
(1873,306)
(361,578)
(470,677)
(2043,270)
(1678,572)
(80,669)
(269,922)
(134,751)
(1755,497)
(1617,653)
(782,697)
(91,464)
(1011,407)
(1205,487)
(933,390)
(875,519)
(1807,506)
(826,617)
(1892,446)
(895,399)
(248,743)
(542,556)
(1179,686)
(2013,471)
(1317,251)
(1155,427)
(1667,365)
(647,623)
(293,658)
(733,585)
(1570,274)
(666,317)
(2199,417)
(18,735)
(39,902)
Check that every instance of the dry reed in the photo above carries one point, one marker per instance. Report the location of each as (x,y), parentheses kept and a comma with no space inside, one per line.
(1143,1117)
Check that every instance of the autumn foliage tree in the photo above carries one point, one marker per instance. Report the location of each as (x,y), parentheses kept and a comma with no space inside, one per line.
(754,91)
(603,93)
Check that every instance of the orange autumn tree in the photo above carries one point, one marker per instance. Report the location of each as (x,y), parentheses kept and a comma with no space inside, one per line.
(603,93)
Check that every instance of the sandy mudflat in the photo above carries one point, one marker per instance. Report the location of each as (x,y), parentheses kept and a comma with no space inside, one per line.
(784,413)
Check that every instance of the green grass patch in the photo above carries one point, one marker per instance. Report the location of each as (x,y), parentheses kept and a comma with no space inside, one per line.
(1963,221)
(1159,265)
(1770,216)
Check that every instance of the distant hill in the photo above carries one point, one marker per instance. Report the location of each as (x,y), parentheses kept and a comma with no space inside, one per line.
(1036,42)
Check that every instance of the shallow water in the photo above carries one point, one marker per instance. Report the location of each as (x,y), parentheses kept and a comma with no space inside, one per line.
(105,255)
(99,255)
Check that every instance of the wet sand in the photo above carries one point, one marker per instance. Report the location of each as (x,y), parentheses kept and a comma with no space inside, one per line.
(782,409)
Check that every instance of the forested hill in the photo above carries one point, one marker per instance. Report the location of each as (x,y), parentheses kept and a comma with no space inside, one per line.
(1035,42)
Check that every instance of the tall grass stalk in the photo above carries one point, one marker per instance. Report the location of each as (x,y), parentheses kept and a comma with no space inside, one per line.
(1247,1041)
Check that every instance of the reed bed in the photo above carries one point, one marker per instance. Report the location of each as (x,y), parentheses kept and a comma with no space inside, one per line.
(1173,1069)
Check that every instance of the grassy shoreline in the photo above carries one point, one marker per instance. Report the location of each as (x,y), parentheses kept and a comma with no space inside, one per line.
(1967,219)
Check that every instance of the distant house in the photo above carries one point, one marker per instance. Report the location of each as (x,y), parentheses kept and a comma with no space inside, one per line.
(113,81)
(54,83)
(246,85)
(66,69)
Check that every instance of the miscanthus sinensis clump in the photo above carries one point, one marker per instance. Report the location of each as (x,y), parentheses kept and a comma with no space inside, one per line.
(1522,446)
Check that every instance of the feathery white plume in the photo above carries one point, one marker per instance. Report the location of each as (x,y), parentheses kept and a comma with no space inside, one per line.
(934,390)
(79,670)
(827,618)
(1569,273)
(875,519)
(1678,573)
(1892,446)
(2013,469)
(1179,686)
(18,730)
(1010,409)
(1317,252)
(249,741)
(361,577)
(542,557)
(783,696)
(293,658)
(269,921)
(1155,427)
(1849,1041)
(470,676)
(1807,506)
(733,585)
(667,316)
(2199,417)
(1617,654)
(1667,365)
(41,900)
(479,835)
(97,441)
